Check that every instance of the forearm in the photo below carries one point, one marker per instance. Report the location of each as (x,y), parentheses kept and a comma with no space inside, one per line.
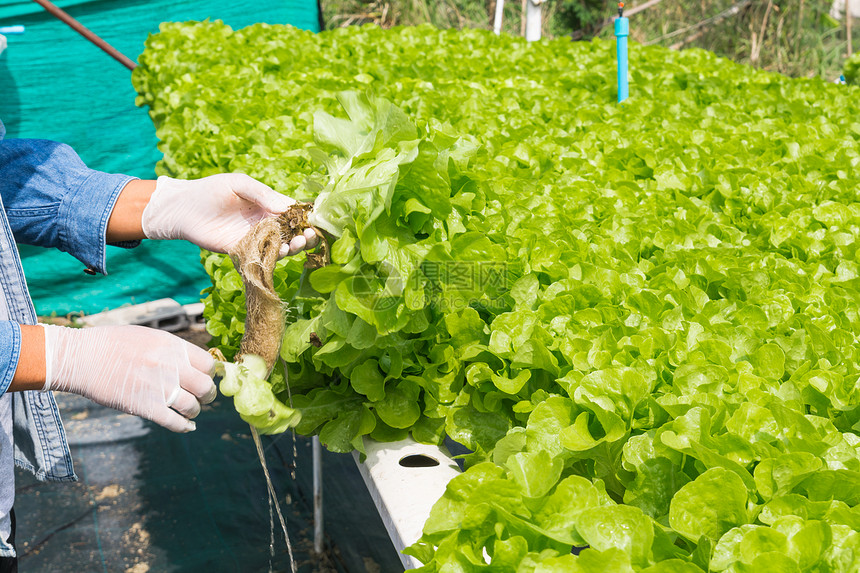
(125,219)
(30,373)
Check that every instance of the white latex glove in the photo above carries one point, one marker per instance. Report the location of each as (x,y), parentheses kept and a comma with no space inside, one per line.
(216,212)
(142,371)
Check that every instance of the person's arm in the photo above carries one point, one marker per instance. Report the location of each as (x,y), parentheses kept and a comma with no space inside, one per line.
(125,219)
(53,200)
(214,212)
(141,371)
(30,371)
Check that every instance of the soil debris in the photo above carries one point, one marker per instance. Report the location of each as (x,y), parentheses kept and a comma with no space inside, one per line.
(109,492)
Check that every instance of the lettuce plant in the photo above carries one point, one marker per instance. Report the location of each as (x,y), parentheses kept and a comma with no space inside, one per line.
(641,319)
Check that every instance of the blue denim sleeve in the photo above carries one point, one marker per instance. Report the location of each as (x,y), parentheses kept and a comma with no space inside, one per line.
(10,352)
(53,200)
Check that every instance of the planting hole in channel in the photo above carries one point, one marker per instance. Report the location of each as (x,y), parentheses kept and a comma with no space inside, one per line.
(418,461)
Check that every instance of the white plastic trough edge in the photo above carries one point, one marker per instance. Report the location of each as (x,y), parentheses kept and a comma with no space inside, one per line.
(404,495)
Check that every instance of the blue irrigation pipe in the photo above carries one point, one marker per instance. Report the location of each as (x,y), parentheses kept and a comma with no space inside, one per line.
(622,29)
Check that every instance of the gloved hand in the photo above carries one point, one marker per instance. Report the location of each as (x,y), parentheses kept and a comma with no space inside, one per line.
(138,370)
(216,212)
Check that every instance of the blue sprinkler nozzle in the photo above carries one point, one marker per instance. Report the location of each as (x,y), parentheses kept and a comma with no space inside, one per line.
(622,29)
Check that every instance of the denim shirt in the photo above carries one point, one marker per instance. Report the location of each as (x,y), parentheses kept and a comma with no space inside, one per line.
(49,198)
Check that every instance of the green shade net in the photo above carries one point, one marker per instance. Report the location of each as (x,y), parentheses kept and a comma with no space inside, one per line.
(54,84)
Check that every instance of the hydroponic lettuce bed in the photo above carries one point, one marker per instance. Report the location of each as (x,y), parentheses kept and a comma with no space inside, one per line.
(643,319)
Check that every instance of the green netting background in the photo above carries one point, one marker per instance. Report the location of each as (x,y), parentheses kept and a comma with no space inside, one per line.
(56,85)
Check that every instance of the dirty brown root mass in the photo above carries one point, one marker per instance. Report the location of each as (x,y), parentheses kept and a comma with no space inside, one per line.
(255,257)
